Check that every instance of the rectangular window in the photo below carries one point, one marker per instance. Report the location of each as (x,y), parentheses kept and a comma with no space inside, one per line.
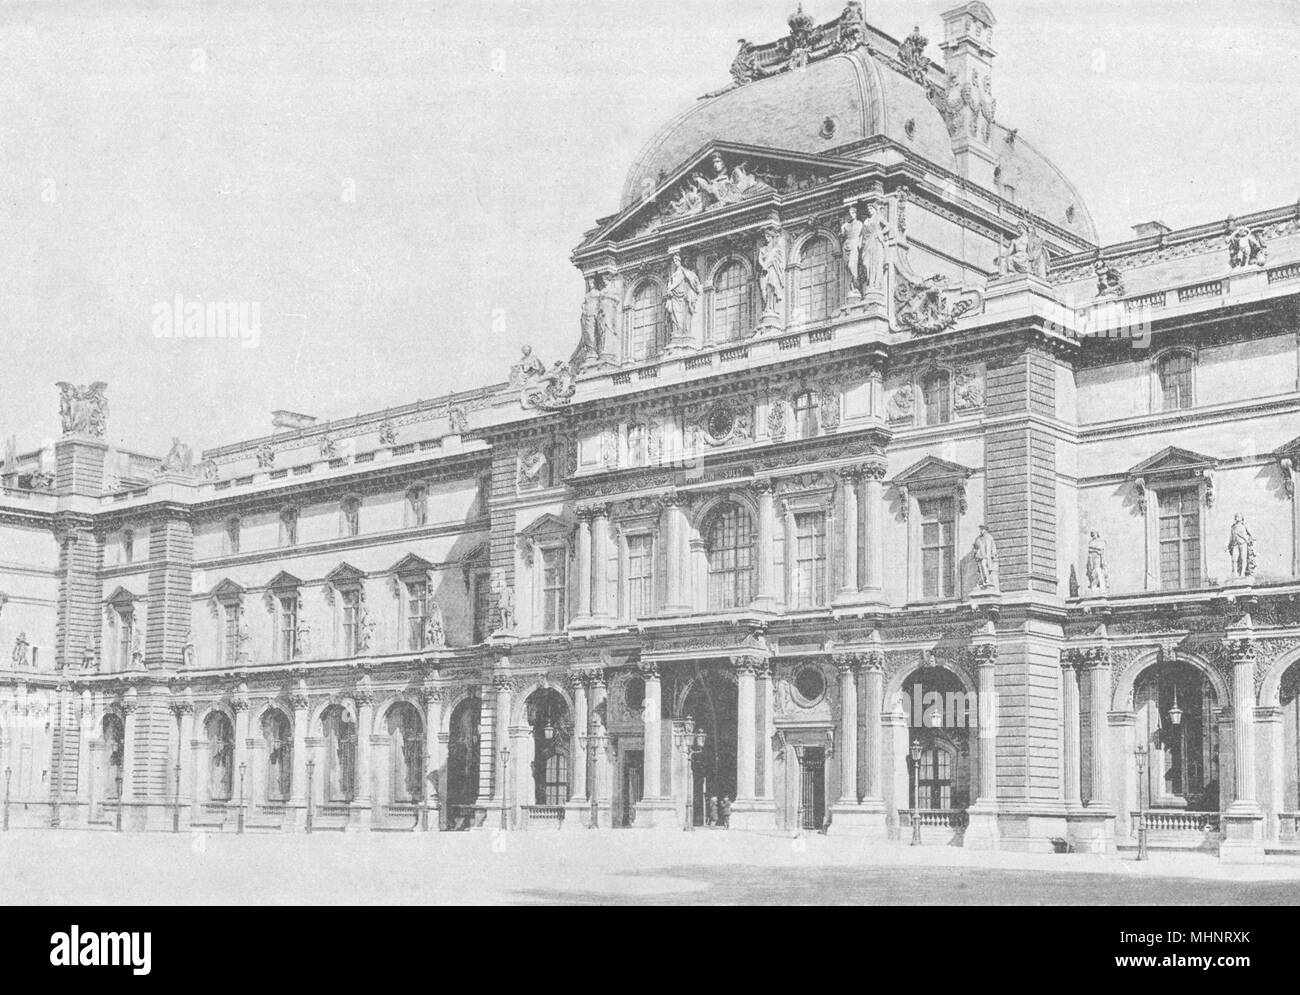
(288,626)
(809,560)
(1176,381)
(351,622)
(417,613)
(1180,538)
(938,560)
(806,422)
(231,643)
(126,635)
(554,589)
(640,576)
(482,606)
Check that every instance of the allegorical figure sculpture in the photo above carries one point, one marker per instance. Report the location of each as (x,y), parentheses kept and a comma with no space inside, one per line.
(772,262)
(681,299)
(598,311)
(83,410)
(505,596)
(985,551)
(1024,254)
(1246,248)
(435,636)
(20,654)
(1096,566)
(179,459)
(851,234)
(866,250)
(1241,548)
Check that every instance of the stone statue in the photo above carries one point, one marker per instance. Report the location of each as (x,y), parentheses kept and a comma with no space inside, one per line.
(772,262)
(527,370)
(265,456)
(366,632)
(853,27)
(208,469)
(911,53)
(1024,254)
(986,558)
(851,234)
(1246,248)
(599,320)
(744,68)
(1109,280)
(179,459)
(681,299)
(435,636)
(21,657)
(329,447)
(83,410)
(901,403)
(505,596)
(88,658)
(1241,548)
(876,236)
(1096,567)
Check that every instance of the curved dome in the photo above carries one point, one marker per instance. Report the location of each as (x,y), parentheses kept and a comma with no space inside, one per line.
(789,111)
(1039,186)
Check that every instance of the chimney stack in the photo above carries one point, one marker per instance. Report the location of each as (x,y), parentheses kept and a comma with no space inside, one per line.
(968,60)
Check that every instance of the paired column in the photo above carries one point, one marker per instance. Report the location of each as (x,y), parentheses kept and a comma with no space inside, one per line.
(652,759)
(584,565)
(504,687)
(766,528)
(674,531)
(873,525)
(433,698)
(364,696)
(1070,752)
(240,784)
(986,658)
(579,793)
(600,777)
(130,703)
(745,721)
(184,747)
(298,782)
(1098,727)
(849,480)
(845,664)
(600,551)
(873,689)
(1242,654)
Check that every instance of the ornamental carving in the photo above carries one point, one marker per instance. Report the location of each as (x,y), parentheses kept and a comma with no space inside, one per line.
(541,388)
(83,410)
(968,392)
(932,305)
(901,405)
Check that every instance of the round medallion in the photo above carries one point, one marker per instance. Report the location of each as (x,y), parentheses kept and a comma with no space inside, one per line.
(809,686)
(719,423)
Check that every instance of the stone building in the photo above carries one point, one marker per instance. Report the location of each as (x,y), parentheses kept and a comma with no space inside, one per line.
(875,492)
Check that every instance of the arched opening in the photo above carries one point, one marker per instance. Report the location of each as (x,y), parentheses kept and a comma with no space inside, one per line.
(733,303)
(548,717)
(645,322)
(463,763)
(221,756)
(1289,699)
(729,553)
(1174,705)
(340,733)
(114,734)
(941,713)
(816,292)
(277,735)
(710,703)
(406,753)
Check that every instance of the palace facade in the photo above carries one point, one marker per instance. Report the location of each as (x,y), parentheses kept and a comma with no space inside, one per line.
(876,493)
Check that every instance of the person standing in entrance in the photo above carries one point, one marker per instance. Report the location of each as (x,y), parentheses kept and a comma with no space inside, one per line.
(724,811)
(711,813)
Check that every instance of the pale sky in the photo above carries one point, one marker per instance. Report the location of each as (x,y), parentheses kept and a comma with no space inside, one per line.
(212,150)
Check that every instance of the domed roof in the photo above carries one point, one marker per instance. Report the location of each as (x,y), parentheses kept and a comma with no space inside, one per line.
(1038,185)
(823,106)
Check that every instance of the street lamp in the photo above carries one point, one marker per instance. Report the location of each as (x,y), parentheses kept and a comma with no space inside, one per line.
(240,827)
(915,753)
(311,772)
(592,743)
(505,787)
(1141,754)
(690,740)
(176,815)
(118,827)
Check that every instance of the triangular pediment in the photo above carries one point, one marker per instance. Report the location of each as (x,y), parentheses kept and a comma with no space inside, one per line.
(933,469)
(1172,460)
(1291,449)
(121,596)
(547,525)
(345,573)
(411,564)
(227,590)
(283,581)
(750,175)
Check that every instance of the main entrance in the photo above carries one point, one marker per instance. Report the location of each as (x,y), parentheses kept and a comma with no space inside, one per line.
(812,788)
(633,785)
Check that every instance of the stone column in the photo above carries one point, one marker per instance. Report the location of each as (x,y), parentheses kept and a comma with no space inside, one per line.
(745,704)
(873,526)
(1243,820)
(873,690)
(847,745)
(674,532)
(239,702)
(577,808)
(600,785)
(364,696)
(655,810)
(766,727)
(766,529)
(432,697)
(504,687)
(88,727)
(129,706)
(584,565)
(1071,746)
(600,551)
(982,825)
(1099,726)
(849,477)
(298,777)
(184,748)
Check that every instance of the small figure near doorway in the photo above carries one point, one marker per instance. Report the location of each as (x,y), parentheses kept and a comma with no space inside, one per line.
(711,811)
(724,812)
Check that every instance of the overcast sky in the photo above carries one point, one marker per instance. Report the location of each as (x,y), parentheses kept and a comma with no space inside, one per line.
(398,185)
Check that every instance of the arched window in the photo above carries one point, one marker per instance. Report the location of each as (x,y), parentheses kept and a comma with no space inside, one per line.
(232,535)
(350,516)
(289,526)
(114,739)
(935,398)
(733,303)
(1174,370)
(278,737)
(548,717)
(645,322)
(417,506)
(406,753)
(340,754)
(729,550)
(221,753)
(463,763)
(816,284)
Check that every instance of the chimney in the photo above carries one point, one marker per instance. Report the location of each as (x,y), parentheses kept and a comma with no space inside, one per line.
(968,60)
(290,421)
(1147,229)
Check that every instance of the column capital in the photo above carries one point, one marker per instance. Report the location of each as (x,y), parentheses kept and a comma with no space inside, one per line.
(850,474)
(1240,650)
(846,663)
(504,682)
(364,693)
(985,654)
(430,693)
(239,702)
(872,662)
(875,470)
(746,663)
(183,707)
(762,485)
(649,671)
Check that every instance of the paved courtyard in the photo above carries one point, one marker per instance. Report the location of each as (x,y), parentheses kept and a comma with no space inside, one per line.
(75,867)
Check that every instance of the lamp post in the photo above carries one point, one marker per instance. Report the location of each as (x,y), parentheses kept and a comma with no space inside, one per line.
(505,787)
(1141,754)
(311,772)
(9,771)
(915,754)
(118,827)
(690,740)
(176,813)
(240,826)
(593,742)
(1175,717)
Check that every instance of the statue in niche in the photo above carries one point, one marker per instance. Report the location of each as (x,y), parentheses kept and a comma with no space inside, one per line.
(21,654)
(968,391)
(88,658)
(435,635)
(876,236)
(505,596)
(1246,248)
(772,261)
(851,234)
(1096,566)
(681,299)
(1241,548)
(985,551)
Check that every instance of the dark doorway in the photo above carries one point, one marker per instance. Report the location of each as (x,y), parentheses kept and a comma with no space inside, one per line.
(812,788)
(463,764)
(633,774)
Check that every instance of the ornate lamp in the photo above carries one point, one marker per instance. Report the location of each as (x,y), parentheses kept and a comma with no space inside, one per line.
(1175,713)
(915,753)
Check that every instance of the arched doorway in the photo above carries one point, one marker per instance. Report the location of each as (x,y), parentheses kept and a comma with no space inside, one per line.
(548,717)
(941,714)
(221,754)
(277,735)
(1174,707)
(406,753)
(340,733)
(463,764)
(1289,700)
(710,702)
(114,734)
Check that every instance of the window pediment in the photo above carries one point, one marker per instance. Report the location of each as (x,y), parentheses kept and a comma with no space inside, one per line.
(412,567)
(120,598)
(227,592)
(1174,463)
(548,527)
(283,582)
(934,472)
(345,575)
